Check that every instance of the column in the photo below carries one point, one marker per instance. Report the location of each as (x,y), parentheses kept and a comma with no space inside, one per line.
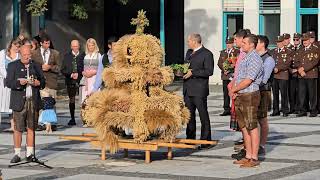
(251,16)
(288,16)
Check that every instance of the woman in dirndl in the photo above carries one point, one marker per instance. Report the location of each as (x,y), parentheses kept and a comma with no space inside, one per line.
(91,62)
(6,56)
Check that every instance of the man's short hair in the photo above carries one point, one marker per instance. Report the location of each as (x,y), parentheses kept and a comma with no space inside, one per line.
(242,33)
(112,39)
(264,40)
(252,39)
(196,37)
(44,38)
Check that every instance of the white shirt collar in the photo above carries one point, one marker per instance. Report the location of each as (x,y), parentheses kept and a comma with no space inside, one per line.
(197,48)
(75,54)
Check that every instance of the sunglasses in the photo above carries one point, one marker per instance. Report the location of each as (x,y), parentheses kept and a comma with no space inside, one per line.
(296,39)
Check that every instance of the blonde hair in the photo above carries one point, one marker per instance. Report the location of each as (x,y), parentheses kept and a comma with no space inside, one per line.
(93,41)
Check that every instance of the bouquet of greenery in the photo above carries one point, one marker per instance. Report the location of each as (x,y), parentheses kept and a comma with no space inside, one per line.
(180,69)
(229,64)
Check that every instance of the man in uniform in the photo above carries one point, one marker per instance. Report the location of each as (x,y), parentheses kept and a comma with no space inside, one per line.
(280,82)
(312,36)
(293,90)
(225,55)
(307,63)
(286,41)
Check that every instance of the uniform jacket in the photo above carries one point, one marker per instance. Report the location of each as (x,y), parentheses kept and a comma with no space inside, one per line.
(283,61)
(308,59)
(224,54)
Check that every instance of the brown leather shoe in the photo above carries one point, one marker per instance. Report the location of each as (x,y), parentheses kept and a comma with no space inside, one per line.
(241,161)
(251,164)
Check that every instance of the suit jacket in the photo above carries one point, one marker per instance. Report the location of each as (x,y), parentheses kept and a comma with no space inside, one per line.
(67,67)
(201,63)
(16,70)
(224,54)
(54,60)
(283,61)
(308,59)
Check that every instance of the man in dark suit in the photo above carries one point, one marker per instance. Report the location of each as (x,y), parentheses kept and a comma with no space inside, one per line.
(196,86)
(25,79)
(71,68)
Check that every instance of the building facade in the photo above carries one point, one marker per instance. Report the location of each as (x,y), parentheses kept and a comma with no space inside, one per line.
(217,19)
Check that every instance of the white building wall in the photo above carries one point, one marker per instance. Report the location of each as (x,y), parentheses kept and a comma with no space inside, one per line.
(206,19)
(288,17)
(251,15)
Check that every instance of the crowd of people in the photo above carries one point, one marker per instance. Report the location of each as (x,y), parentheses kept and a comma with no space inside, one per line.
(260,73)
(29,70)
(253,74)
(250,71)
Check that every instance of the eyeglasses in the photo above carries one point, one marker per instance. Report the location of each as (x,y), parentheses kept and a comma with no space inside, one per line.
(296,39)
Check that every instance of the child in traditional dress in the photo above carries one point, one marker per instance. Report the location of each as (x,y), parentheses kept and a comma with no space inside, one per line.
(48,115)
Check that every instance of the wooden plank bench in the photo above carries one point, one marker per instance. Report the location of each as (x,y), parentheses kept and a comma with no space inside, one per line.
(148,146)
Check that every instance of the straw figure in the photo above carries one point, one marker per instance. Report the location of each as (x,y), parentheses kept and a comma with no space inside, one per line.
(134,96)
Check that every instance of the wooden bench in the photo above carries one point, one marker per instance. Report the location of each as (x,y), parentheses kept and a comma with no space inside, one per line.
(148,146)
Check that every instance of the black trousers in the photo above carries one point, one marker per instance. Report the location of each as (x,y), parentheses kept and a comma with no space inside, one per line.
(226,97)
(72,92)
(293,94)
(199,103)
(282,85)
(308,86)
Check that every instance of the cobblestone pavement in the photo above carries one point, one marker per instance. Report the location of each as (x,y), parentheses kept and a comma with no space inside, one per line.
(293,152)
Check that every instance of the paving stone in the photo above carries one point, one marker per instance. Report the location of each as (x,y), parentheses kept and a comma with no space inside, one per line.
(204,167)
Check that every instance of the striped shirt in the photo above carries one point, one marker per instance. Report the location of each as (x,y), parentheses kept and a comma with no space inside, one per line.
(250,67)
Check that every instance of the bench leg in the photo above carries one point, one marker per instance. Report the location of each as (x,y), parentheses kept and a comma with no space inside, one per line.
(148,159)
(125,153)
(103,152)
(169,153)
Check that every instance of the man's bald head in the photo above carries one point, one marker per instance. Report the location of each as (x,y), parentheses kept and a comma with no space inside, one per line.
(25,52)
(75,46)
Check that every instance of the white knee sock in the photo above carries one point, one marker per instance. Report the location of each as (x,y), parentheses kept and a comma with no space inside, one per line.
(29,151)
(17,151)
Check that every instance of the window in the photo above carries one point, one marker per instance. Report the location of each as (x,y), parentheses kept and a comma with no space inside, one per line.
(308,3)
(271,26)
(307,16)
(269,19)
(234,23)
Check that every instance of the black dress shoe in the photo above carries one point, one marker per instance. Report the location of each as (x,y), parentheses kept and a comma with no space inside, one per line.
(205,146)
(275,114)
(225,113)
(30,158)
(54,127)
(285,115)
(240,155)
(15,159)
(40,128)
(313,115)
(301,114)
(72,122)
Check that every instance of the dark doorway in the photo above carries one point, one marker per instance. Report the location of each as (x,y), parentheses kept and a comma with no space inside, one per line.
(118,18)
(309,22)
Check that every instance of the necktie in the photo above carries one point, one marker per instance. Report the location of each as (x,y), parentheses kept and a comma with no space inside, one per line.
(44,55)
